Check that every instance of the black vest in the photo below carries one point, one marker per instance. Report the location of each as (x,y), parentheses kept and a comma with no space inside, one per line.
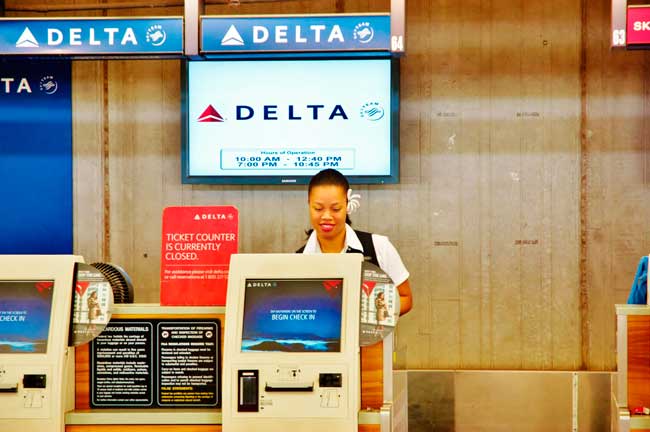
(369,253)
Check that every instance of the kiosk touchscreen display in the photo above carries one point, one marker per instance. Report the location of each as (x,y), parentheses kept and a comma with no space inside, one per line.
(25,308)
(292,315)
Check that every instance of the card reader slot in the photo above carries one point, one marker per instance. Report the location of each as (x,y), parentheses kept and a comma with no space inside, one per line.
(8,388)
(289,387)
(248,391)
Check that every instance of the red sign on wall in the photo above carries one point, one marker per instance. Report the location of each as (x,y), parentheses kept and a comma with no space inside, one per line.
(638,25)
(196,246)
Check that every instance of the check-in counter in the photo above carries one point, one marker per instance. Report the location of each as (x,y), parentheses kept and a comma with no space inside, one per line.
(631,383)
(376,386)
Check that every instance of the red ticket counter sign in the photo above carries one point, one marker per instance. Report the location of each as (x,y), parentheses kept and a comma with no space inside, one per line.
(196,246)
(638,26)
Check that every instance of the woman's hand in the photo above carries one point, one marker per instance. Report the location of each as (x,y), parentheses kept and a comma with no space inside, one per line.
(405,297)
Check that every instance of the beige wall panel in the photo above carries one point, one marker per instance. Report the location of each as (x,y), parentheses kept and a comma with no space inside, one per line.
(512,401)
(144,102)
(173,192)
(564,172)
(504,175)
(155,11)
(88,139)
(483,132)
(615,161)
(481,121)
(269,8)
(267,227)
(473,206)
(594,396)
(301,7)
(597,271)
(532,121)
(85,8)
(295,212)
(413,340)
(364,6)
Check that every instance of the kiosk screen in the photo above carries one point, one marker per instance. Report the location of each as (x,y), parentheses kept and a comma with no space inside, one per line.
(25,308)
(292,315)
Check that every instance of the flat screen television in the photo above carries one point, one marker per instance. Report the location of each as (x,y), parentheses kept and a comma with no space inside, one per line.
(281,120)
(25,308)
(292,315)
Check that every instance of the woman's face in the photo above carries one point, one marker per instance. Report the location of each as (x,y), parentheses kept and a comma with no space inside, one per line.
(327,211)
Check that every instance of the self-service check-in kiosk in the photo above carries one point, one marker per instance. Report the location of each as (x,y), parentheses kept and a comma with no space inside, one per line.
(48,303)
(36,375)
(291,351)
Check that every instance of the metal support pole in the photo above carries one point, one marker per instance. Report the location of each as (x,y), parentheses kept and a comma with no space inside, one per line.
(193,11)
(398,27)
(619,23)
(386,411)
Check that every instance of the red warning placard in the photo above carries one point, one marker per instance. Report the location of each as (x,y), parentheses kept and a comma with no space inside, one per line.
(196,246)
(638,26)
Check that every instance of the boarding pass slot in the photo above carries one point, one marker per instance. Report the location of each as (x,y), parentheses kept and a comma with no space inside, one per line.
(289,387)
(9,388)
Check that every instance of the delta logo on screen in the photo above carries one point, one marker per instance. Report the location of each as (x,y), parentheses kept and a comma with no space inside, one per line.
(210,115)
(277,112)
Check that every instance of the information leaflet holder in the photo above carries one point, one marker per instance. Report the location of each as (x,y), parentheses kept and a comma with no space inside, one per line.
(291,357)
(36,364)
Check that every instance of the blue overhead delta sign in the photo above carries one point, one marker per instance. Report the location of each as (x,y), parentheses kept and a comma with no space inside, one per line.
(299,33)
(99,36)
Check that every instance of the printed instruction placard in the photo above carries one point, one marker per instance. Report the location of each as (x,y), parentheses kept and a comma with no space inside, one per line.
(196,246)
(156,363)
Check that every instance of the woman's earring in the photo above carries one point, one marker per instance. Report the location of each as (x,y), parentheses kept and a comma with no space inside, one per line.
(353,201)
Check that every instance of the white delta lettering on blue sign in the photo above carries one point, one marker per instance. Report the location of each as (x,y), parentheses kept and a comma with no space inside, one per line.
(285,34)
(281,34)
(56,37)
(8,85)
(77,36)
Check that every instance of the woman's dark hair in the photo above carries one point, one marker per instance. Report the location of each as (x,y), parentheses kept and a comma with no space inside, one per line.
(329,177)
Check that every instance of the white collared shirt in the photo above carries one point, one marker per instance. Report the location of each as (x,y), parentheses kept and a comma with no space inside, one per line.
(387,256)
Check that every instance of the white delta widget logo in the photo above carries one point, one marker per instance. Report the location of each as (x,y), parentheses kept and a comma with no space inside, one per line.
(12,85)
(48,85)
(363,32)
(76,36)
(156,35)
(285,34)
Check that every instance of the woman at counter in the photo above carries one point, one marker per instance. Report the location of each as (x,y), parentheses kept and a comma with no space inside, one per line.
(328,199)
